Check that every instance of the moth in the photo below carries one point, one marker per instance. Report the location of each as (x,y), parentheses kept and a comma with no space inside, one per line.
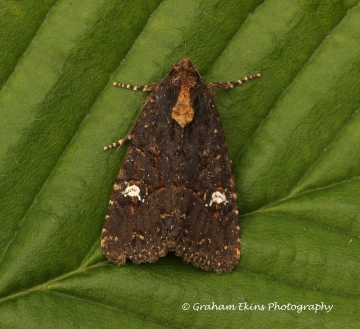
(175,190)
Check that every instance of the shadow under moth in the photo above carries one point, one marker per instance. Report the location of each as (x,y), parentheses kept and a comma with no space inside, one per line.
(175,190)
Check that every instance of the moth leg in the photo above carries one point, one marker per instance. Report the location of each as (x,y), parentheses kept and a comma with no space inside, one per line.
(150,87)
(115,144)
(227,85)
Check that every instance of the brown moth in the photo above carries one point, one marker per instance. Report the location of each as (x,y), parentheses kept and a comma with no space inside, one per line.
(175,190)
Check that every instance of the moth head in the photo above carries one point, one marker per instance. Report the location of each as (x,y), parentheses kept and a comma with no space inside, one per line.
(186,64)
(185,71)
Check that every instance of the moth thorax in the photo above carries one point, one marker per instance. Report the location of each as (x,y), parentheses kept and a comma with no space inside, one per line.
(182,112)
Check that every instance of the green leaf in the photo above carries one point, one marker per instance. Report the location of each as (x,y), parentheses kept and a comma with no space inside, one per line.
(293,136)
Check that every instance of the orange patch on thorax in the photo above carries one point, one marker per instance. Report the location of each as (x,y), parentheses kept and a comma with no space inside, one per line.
(182,112)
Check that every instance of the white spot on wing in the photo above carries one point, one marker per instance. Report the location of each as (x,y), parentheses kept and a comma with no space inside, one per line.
(218,197)
(132,190)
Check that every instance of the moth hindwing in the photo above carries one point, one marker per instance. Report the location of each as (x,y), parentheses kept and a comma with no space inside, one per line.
(175,190)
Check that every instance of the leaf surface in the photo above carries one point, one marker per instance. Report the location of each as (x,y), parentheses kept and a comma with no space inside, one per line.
(293,136)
